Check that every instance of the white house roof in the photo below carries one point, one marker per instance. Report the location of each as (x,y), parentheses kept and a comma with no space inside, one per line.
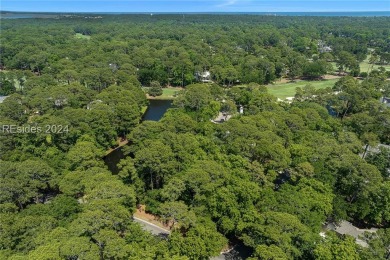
(206,74)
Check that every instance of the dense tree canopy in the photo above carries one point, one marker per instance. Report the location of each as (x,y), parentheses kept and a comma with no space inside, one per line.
(268,178)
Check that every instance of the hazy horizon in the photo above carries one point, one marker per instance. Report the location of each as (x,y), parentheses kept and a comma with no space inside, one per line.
(189,12)
(194,6)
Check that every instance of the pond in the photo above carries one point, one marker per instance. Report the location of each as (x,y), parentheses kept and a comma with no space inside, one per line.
(155,112)
(156,109)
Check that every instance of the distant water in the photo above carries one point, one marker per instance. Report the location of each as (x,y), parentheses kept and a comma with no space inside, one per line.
(15,15)
(356,14)
(359,14)
(27,15)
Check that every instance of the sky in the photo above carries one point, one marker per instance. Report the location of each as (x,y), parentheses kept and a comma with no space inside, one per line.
(195,5)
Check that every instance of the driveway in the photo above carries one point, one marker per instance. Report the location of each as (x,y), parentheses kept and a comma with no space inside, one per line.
(152,228)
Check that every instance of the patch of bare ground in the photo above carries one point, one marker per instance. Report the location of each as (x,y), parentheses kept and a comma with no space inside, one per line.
(329,76)
(325,77)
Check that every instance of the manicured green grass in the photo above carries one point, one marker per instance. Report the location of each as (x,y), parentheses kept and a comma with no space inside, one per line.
(283,90)
(81,36)
(168,93)
(365,66)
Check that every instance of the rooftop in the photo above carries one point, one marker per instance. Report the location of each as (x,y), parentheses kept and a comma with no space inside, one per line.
(346,228)
(222,117)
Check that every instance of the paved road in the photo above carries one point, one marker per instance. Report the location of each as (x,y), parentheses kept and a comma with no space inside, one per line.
(152,228)
(158,231)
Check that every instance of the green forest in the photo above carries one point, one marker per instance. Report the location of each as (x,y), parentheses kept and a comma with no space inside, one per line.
(268,178)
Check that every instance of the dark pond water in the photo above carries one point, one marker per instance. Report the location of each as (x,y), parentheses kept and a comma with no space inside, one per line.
(155,112)
(156,109)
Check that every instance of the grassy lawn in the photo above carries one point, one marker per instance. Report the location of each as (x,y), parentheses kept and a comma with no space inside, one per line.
(364,66)
(168,93)
(81,36)
(283,90)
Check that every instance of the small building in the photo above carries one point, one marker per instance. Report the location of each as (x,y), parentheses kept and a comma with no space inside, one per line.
(222,117)
(377,149)
(385,100)
(60,102)
(204,76)
(241,110)
(322,47)
(325,49)
(346,228)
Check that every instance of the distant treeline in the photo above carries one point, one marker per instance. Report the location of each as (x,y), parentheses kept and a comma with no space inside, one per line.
(172,48)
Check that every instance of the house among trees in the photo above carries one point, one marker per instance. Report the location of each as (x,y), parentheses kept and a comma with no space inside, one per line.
(322,47)
(222,117)
(326,49)
(386,101)
(60,102)
(347,228)
(204,76)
